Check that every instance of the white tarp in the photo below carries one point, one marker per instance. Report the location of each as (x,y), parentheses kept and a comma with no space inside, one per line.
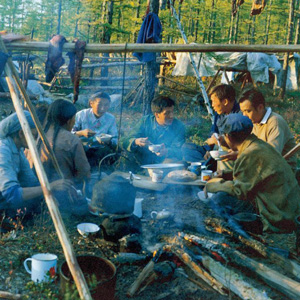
(258,64)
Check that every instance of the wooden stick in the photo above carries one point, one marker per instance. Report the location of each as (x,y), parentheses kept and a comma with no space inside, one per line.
(50,201)
(121,48)
(140,279)
(198,271)
(234,281)
(288,265)
(282,283)
(292,152)
(10,296)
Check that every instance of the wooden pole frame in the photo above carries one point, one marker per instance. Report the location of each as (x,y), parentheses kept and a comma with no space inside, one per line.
(50,201)
(163,47)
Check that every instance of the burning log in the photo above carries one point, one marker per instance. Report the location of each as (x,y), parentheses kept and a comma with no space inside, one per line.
(146,272)
(288,265)
(282,283)
(197,270)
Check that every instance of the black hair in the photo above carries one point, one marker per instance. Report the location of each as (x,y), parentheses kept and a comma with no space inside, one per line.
(159,103)
(224,91)
(58,114)
(98,95)
(254,96)
(240,136)
(41,112)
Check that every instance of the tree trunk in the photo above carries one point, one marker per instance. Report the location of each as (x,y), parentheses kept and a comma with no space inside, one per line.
(230,35)
(106,37)
(76,24)
(137,15)
(297,25)
(268,22)
(236,25)
(197,21)
(212,24)
(286,56)
(59,17)
(151,70)
(253,30)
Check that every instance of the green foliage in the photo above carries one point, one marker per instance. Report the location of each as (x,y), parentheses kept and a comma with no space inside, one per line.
(201,21)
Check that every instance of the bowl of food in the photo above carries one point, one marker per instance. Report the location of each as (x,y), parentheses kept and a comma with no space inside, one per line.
(155,148)
(216,154)
(166,168)
(88,229)
(103,138)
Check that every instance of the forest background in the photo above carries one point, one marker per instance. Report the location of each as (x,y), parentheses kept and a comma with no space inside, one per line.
(102,21)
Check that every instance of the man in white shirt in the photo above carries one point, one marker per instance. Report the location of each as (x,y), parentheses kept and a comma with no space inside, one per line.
(95,121)
(267,125)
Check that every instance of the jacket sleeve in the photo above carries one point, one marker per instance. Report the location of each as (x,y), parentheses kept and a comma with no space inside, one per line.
(248,173)
(81,164)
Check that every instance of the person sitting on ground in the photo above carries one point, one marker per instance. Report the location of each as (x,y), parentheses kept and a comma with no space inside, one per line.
(66,146)
(19,187)
(159,128)
(93,122)
(263,182)
(268,125)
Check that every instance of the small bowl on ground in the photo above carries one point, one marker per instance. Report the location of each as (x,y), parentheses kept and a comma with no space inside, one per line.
(215,154)
(88,229)
(103,138)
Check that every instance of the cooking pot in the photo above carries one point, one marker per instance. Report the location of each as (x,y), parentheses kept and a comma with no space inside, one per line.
(114,195)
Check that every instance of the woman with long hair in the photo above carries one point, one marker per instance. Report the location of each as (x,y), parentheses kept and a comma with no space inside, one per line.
(66,146)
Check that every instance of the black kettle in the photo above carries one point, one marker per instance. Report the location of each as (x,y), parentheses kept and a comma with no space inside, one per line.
(114,195)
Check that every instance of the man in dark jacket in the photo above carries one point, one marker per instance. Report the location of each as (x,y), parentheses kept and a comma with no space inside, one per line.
(159,128)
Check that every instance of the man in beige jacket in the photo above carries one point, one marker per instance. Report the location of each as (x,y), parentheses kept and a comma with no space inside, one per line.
(267,125)
(262,179)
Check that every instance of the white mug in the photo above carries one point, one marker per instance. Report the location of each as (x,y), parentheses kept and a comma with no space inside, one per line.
(43,266)
(163,214)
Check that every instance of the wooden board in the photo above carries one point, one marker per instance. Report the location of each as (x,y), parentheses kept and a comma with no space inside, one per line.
(146,183)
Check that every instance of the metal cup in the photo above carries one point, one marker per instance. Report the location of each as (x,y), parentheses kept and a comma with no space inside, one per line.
(297,221)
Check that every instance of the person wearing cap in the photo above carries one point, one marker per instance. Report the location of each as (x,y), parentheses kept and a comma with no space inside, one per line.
(160,128)
(262,181)
(95,121)
(267,125)
(19,187)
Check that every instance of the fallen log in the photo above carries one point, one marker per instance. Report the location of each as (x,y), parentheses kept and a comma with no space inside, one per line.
(197,270)
(288,265)
(10,296)
(282,283)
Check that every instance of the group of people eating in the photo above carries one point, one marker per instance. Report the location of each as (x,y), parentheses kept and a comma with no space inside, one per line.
(252,177)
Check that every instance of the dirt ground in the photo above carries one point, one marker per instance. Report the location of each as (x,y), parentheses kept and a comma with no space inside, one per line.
(38,236)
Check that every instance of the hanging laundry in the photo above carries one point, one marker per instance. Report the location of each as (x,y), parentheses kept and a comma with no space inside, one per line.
(54,58)
(149,33)
(257,7)
(75,64)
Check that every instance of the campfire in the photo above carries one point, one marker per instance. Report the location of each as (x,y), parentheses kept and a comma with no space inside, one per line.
(225,260)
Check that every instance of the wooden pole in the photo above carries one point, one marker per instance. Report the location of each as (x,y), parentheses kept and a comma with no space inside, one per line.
(121,48)
(292,152)
(50,201)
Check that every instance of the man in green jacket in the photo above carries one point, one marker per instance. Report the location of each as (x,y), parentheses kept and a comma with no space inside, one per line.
(160,128)
(262,180)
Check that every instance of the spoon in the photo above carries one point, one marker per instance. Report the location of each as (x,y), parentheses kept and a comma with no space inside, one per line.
(218,141)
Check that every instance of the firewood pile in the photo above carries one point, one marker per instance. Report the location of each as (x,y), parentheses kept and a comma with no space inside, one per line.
(224,259)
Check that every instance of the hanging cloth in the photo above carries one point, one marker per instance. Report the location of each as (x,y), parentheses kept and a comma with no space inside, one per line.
(149,33)
(54,58)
